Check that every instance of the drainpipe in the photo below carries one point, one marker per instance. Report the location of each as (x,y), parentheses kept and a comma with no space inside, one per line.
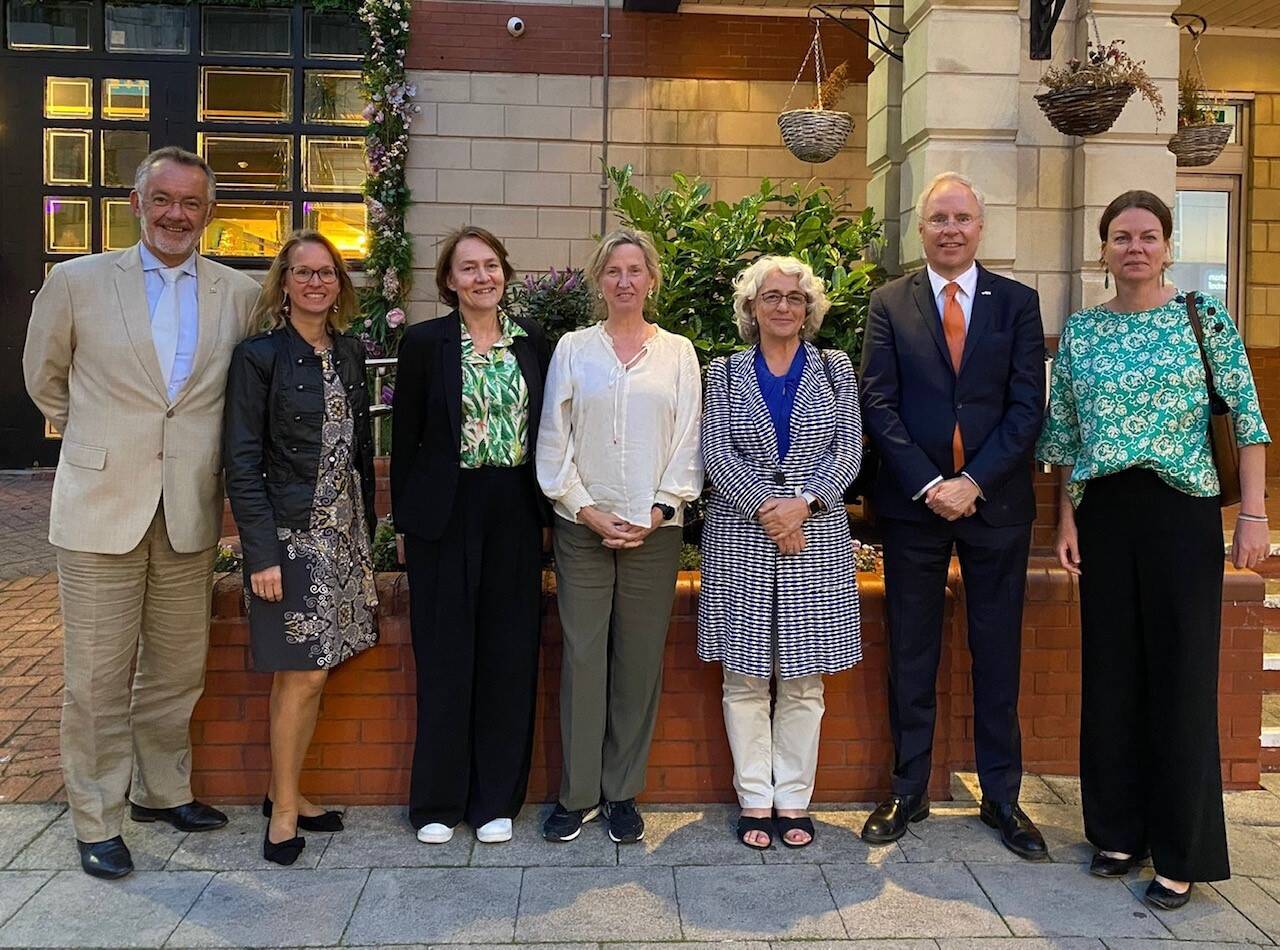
(605,36)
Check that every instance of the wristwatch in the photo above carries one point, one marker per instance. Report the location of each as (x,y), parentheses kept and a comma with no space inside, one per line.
(816,506)
(667,511)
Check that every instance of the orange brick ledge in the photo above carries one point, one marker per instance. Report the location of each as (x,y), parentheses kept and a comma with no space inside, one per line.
(363,743)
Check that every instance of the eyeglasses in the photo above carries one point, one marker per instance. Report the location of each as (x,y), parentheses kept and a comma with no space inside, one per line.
(304,274)
(939,222)
(189,205)
(796,301)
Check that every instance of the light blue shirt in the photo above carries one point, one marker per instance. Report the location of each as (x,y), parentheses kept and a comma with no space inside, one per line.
(968,282)
(188,313)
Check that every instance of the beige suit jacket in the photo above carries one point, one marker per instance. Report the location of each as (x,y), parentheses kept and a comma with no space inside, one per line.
(91,367)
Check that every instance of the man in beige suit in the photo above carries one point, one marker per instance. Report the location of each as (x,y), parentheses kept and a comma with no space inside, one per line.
(127,356)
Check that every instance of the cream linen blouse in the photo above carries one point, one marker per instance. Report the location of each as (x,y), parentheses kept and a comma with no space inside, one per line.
(621,437)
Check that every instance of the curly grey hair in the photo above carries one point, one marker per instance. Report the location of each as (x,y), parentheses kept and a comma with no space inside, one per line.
(747,285)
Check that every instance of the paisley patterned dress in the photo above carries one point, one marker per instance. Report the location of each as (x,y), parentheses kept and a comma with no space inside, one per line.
(328,611)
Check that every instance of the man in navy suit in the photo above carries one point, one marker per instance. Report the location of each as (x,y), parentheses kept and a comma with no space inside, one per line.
(953,397)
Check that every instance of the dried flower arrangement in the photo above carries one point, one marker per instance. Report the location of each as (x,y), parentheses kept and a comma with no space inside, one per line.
(832,88)
(1195,107)
(1105,66)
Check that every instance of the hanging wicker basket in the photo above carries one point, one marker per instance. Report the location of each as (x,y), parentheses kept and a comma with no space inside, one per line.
(1197,145)
(815,135)
(1084,110)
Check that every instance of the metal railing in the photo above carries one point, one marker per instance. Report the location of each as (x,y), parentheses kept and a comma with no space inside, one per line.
(381,370)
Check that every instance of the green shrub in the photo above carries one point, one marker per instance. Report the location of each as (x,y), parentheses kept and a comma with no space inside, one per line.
(226,560)
(558,301)
(385,557)
(705,244)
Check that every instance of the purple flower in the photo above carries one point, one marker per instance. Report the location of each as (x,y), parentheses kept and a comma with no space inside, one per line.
(388,394)
(395,317)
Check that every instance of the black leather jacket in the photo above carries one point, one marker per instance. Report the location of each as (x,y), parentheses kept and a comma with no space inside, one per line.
(271,435)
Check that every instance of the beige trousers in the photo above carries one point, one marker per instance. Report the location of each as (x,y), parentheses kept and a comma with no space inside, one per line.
(141,617)
(775,758)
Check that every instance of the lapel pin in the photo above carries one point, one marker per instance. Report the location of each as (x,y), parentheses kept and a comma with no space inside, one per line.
(986,293)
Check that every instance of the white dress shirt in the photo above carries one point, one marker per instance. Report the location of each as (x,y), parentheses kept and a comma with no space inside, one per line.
(188,312)
(621,437)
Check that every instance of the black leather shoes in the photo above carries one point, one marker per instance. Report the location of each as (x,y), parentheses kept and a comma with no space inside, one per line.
(329,821)
(1160,896)
(109,859)
(1105,866)
(193,816)
(889,821)
(1018,832)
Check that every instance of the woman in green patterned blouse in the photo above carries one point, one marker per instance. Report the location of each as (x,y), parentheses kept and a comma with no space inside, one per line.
(1139,524)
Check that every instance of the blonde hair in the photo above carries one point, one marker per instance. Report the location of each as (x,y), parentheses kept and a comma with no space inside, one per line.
(600,259)
(270,313)
(948,178)
(747,285)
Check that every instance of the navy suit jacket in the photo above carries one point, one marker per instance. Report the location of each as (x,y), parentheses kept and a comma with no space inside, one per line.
(912,397)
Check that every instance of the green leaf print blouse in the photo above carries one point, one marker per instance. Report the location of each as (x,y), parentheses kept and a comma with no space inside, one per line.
(1128,391)
(495,402)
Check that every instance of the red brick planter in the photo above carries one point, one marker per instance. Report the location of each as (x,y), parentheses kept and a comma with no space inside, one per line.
(363,743)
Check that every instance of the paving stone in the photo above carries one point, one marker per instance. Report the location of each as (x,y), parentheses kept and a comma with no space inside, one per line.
(912,900)
(16,887)
(598,904)
(76,910)
(1057,900)
(1271,782)
(436,905)
(527,847)
(1063,830)
(954,833)
(1023,943)
(381,837)
(705,836)
(151,845)
(1259,900)
(1254,850)
(848,945)
(238,846)
(22,824)
(1252,808)
(742,903)
(693,945)
(1207,916)
(1066,787)
(1134,943)
(272,909)
(965,788)
(837,842)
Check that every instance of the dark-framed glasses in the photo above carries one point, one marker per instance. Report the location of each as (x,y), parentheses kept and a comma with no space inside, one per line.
(303,274)
(795,300)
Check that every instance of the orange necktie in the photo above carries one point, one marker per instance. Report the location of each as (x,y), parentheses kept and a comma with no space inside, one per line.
(953,330)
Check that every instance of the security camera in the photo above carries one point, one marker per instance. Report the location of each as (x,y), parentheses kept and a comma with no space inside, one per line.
(515,26)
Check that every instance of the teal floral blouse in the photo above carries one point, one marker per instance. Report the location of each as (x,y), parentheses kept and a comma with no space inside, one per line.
(495,402)
(1128,391)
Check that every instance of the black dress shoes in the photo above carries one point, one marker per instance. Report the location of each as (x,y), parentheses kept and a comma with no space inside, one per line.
(889,821)
(109,859)
(1018,832)
(1103,865)
(282,852)
(193,816)
(1160,896)
(329,821)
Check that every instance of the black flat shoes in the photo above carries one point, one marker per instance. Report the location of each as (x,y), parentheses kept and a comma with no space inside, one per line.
(1161,897)
(330,821)
(1105,866)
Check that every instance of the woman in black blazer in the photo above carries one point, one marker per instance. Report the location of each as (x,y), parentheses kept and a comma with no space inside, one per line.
(465,425)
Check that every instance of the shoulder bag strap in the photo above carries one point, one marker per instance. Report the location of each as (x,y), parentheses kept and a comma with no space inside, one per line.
(1193,314)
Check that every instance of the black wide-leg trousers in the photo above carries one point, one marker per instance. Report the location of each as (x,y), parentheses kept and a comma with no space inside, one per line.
(475,610)
(1150,611)
(993,563)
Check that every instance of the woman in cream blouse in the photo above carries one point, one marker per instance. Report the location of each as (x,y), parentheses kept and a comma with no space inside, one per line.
(618,456)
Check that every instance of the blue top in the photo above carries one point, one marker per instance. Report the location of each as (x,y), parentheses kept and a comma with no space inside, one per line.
(188,313)
(779,394)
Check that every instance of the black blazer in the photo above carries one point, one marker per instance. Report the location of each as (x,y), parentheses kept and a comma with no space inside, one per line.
(426,421)
(271,435)
(912,396)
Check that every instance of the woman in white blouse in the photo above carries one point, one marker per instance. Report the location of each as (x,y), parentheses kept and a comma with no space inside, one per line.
(618,456)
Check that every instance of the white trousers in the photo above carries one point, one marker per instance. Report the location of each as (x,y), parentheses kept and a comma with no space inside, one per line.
(775,758)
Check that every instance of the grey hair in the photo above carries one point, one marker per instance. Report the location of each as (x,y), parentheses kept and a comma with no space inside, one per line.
(615,239)
(747,284)
(945,178)
(173,153)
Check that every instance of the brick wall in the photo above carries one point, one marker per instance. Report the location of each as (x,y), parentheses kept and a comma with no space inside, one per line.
(566,40)
(363,743)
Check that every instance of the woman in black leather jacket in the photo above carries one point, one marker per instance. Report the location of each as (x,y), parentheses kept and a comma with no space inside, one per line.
(299,463)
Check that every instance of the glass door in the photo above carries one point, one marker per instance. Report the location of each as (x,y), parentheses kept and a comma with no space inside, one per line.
(1206,247)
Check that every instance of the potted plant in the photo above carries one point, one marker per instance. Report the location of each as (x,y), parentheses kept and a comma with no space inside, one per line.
(1200,137)
(558,301)
(817,134)
(1085,97)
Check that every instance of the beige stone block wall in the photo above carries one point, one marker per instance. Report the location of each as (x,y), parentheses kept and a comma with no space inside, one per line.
(520,155)
(1262,266)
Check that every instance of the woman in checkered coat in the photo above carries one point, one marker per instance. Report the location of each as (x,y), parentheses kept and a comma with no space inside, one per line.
(781,440)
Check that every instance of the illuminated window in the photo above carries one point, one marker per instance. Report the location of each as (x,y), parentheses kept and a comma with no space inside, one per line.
(66,157)
(52,24)
(153,28)
(237,31)
(261,162)
(119,225)
(126,99)
(342,222)
(122,152)
(333,97)
(333,164)
(66,225)
(245,95)
(247,228)
(66,98)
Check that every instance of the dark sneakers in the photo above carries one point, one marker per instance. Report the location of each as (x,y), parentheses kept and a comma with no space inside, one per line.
(108,859)
(625,824)
(565,825)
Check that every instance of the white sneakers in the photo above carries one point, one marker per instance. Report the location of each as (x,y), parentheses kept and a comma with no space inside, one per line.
(435,833)
(494,832)
(491,832)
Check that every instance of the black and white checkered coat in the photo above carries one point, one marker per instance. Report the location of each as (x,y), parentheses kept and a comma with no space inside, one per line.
(745,579)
